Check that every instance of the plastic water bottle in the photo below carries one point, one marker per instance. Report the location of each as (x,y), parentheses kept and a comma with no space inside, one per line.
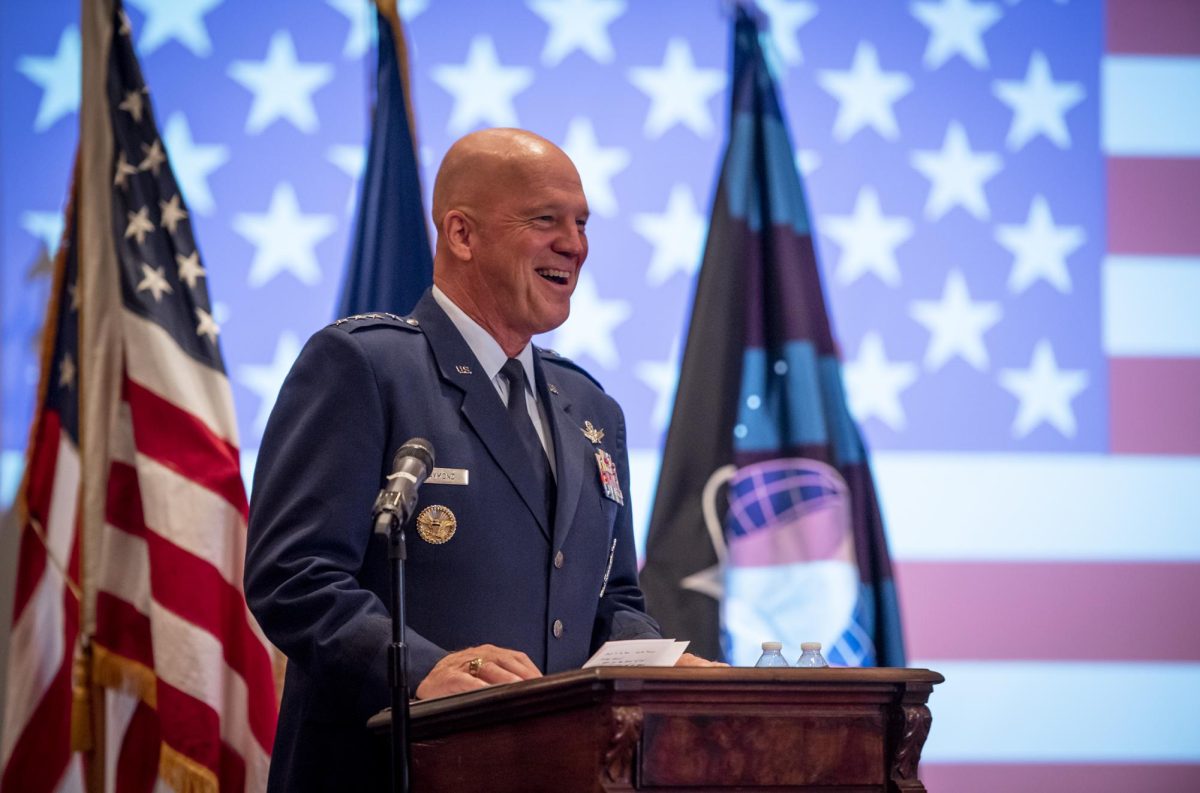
(772,655)
(810,655)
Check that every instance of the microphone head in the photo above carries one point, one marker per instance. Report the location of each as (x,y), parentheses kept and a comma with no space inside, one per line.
(419,448)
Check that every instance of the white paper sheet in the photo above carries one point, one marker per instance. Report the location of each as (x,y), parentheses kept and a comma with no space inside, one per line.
(638,652)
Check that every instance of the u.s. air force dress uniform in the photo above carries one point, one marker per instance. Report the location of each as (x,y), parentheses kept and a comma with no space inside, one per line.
(496,572)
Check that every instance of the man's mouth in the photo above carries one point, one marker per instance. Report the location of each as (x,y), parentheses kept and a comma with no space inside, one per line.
(557,276)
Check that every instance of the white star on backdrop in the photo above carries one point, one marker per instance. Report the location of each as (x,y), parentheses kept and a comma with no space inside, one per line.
(868,240)
(589,329)
(265,379)
(154,281)
(284,238)
(577,25)
(282,86)
(46,226)
(192,163)
(678,91)
(411,9)
(956,324)
(58,77)
(189,268)
(596,165)
(956,27)
(957,175)
(677,235)
(1039,104)
(483,88)
(663,378)
(139,225)
(207,326)
(865,95)
(786,18)
(181,20)
(807,161)
(874,384)
(1040,248)
(362,25)
(1045,392)
(350,159)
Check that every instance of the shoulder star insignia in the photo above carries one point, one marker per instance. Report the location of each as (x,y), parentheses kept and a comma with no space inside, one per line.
(593,434)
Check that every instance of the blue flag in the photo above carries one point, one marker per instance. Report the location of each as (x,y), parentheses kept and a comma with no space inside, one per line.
(765,523)
(391,265)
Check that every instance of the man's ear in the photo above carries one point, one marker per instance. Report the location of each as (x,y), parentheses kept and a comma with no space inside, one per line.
(460,234)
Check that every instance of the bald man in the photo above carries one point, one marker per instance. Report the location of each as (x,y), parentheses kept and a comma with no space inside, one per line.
(522,562)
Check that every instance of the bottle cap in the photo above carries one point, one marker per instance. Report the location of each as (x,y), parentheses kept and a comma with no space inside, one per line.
(772,645)
(814,646)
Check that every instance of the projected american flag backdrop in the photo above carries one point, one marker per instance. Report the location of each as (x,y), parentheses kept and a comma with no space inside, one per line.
(1005,200)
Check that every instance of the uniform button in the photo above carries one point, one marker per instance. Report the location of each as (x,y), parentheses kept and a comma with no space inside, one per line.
(412,322)
(558,629)
(558,560)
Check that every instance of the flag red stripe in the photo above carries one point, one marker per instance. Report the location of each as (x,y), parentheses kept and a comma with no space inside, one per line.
(122,629)
(233,769)
(43,460)
(1096,778)
(1153,27)
(137,763)
(183,443)
(1152,205)
(1170,385)
(187,725)
(195,590)
(1059,611)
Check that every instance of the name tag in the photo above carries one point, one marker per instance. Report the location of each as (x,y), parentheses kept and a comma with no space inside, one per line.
(448,476)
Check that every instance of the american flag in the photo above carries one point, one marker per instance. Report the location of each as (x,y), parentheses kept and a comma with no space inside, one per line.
(1004,196)
(153,572)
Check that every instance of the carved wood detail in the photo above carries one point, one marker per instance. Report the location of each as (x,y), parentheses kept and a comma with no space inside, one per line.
(912,724)
(623,740)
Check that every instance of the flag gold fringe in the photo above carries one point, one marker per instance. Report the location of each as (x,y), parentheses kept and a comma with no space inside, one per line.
(184,774)
(83,738)
(110,670)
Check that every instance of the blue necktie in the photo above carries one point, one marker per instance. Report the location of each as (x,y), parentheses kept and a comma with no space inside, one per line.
(522,422)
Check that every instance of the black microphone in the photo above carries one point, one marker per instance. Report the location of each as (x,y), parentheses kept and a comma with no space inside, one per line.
(410,467)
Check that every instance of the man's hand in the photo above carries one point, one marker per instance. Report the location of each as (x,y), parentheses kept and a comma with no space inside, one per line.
(687,659)
(453,674)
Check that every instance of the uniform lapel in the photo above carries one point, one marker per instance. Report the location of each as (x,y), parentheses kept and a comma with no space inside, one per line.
(571,451)
(481,405)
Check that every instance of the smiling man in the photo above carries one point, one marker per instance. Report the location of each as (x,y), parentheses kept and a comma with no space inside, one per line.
(522,561)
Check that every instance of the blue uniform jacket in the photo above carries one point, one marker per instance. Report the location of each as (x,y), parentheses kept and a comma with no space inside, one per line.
(316,577)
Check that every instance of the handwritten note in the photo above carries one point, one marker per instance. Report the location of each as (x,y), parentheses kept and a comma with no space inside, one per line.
(638,652)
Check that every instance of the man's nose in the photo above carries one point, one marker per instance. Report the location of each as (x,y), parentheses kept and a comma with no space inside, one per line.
(571,242)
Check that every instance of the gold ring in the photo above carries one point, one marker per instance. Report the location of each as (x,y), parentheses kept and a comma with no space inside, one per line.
(475,665)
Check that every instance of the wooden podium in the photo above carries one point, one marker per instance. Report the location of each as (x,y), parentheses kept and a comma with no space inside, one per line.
(711,729)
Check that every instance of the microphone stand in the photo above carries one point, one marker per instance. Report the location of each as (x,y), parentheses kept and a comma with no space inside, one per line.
(398,659)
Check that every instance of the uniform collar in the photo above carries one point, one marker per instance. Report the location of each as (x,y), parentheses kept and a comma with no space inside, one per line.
(486,349)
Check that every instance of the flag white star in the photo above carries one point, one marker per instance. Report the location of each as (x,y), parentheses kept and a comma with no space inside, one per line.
(189,268)
(957,175)
(46,226)
(483,88)
(154,157)
(1040,248)
(123,171)
(956,324)
(865,95)
(192,163)
(284,238)
(874,384)
(577,25)
(589,330)
(679,91)
(676,234)
(956,27)
(596,165)
(181,20)
(266,379)
(411,9)
(1045,392)
(786,18)
(154,281)
(66,371)
(868,240)
(58,77)
(171,213)
(350,159)
(207,326)
(362,33)
(662,377)
(1039,104)
(282,86)
(133,104)
(139,225)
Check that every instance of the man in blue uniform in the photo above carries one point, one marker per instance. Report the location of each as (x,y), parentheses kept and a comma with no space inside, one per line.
(523,561)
